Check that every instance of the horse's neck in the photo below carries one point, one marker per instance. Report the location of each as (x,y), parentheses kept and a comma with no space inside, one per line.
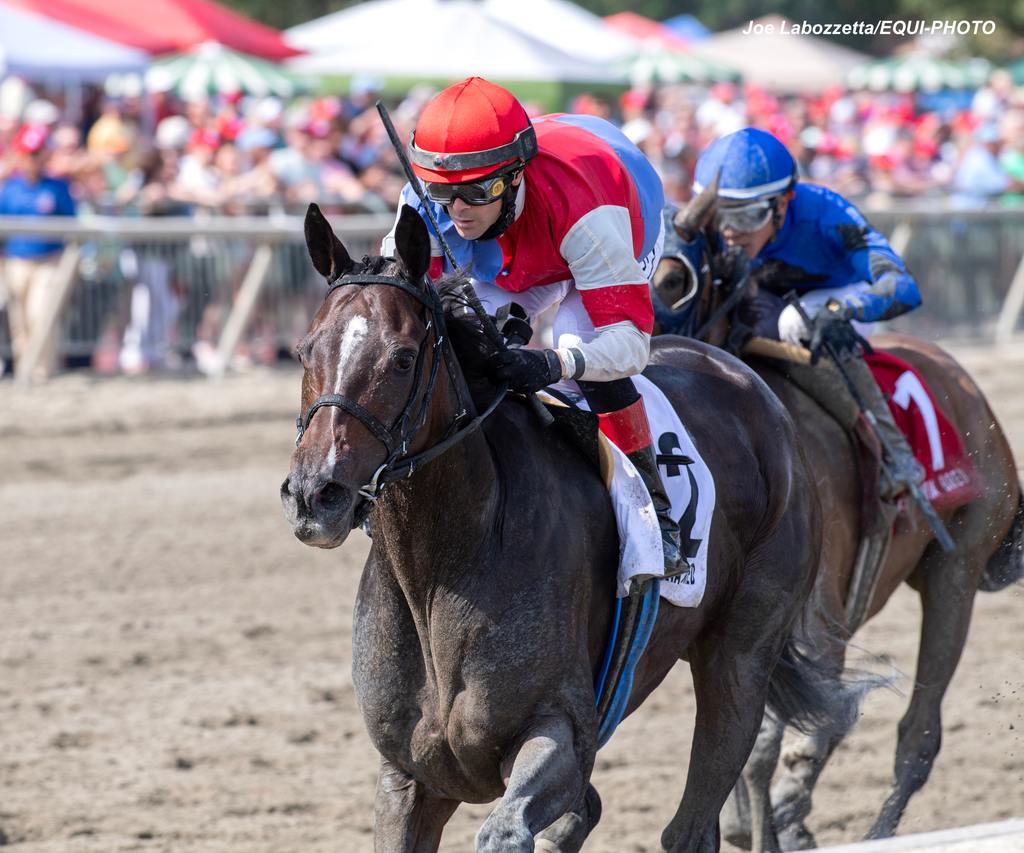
(434,526)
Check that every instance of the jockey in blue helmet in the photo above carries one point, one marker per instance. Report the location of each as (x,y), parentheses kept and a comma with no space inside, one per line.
(808,239)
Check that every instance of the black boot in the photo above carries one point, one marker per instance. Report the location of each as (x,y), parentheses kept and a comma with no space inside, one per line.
(645,461)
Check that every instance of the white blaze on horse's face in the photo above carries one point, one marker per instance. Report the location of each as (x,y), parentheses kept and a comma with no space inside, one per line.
(351,339)
(354,335)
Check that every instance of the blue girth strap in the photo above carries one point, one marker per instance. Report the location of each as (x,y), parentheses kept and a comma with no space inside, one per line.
(620,691)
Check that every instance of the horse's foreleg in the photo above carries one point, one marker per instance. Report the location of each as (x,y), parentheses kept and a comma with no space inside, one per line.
(407,819)
(734,819)
(567,834)
(757,774)
(792,794)
(545,780)
(947,595)
(802,763)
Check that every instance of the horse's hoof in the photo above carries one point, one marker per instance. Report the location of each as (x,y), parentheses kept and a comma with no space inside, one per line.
(737,837)
(797,837)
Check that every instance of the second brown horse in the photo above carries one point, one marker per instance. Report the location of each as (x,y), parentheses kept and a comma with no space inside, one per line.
(989,555)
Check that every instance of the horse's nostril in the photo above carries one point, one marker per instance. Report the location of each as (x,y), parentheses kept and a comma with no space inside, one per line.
(331,495)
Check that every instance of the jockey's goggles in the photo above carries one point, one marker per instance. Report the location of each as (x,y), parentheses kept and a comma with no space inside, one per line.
(747,217)
(475,193)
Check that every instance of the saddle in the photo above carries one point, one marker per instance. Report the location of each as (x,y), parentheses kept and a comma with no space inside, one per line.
(581,428)
(865,444)
(951,478)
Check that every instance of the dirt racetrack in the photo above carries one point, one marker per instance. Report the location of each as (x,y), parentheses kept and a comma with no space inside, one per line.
(175,665)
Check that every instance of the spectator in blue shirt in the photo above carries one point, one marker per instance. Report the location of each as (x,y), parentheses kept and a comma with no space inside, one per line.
(30,261)
(980,177)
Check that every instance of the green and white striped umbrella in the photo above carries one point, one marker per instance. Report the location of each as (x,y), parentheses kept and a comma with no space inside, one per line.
(917,73)
(673,66)
(212,68)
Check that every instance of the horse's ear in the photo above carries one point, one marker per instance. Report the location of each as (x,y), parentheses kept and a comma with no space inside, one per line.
(412,243)
(699,213)
(325,250)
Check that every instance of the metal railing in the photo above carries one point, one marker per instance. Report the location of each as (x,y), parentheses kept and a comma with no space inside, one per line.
(968,263)
(219,284)
(211,281)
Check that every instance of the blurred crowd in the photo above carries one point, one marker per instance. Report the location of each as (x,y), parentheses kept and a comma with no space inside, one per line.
(243,155)
(231,154)
(234,155)
(240,155)
(878,149)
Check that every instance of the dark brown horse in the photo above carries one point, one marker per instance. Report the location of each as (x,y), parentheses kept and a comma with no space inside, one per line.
(486,598)
(989,555)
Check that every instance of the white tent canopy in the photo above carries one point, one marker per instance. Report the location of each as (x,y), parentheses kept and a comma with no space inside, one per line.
(38,48)
(565,26)
(439,39)
(781,60)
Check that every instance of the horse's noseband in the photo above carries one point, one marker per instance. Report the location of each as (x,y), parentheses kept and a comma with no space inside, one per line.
(398,437)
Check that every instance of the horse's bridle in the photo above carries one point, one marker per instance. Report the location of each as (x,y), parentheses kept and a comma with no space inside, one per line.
(398,437)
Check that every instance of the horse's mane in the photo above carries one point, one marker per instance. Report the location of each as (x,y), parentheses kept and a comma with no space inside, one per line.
(376,264)
(471,344)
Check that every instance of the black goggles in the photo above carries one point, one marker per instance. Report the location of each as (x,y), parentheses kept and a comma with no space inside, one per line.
(475,193)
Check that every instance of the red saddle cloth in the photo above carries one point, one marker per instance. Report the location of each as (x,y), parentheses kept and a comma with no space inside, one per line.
(951,479)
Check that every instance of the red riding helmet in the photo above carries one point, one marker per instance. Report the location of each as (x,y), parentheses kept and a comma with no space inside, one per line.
(470,130)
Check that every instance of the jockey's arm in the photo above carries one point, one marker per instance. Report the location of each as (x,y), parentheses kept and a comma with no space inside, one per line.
(882,287)
(615,294)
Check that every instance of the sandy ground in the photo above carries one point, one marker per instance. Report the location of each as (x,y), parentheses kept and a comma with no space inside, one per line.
(175,665)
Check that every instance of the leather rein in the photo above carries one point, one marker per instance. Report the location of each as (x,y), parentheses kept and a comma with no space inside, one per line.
(399,436)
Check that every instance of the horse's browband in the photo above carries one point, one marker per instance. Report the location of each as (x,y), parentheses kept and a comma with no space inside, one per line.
(415,292)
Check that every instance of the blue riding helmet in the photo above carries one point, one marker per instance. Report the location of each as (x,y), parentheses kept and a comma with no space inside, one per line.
(753,163)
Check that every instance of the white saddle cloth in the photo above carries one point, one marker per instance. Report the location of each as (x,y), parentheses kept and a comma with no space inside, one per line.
(690,488)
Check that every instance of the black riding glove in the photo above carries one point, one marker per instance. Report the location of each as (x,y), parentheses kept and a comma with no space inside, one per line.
(760,309)
(831,327)
(526,370)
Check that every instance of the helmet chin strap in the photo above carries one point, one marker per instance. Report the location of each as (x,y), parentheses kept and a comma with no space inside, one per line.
(508,212)
(777,219)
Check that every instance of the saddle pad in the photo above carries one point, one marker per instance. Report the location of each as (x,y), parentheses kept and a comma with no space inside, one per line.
(690,488)
(951,479)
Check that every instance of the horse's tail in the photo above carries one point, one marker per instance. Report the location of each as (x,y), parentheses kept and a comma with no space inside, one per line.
(811,697)
(1006,565)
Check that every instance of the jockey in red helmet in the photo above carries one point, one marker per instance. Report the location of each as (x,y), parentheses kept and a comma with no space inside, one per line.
(560,210)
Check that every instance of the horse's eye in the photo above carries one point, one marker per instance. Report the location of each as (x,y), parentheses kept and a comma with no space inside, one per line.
(403,360)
